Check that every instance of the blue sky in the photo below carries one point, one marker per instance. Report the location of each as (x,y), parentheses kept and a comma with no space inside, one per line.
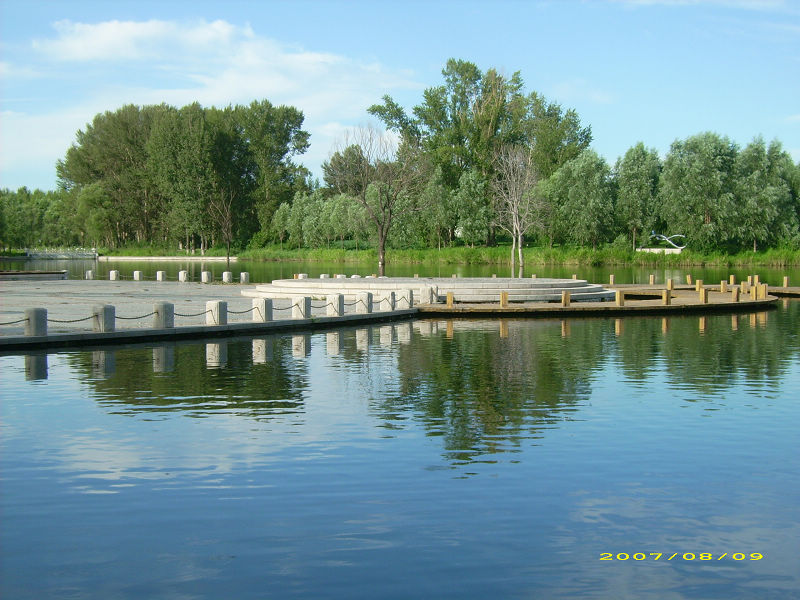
(635,70)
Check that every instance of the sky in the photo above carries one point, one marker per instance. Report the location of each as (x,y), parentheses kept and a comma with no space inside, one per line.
(635,70)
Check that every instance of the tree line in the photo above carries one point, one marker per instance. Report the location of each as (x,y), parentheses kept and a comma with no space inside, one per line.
(476,161)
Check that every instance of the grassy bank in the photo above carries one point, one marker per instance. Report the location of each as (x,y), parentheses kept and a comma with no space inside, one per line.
(607,256)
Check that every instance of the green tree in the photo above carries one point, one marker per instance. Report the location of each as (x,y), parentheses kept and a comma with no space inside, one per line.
(697,190)
(637,176)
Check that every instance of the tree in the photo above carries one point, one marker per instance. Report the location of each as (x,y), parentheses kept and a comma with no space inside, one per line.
(381,176)
(697,190)
(514,199)
(637,180)
(581,193)
(474,216)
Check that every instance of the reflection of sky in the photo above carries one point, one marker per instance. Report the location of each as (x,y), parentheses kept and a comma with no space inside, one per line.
(640,464)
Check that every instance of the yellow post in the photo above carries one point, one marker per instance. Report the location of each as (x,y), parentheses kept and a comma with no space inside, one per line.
(756,280)
(666,297)
(749,280)
(533,276)
(723,286)
(652,279)
(564,298)
(753,292)
(688,279)
(611,279)
(732,279)
(785,281)
(703,295)
(574,275)
(454,275)
(503,299)
(735,294)
(449,299)
(620,298)
(670,284)
(698,285)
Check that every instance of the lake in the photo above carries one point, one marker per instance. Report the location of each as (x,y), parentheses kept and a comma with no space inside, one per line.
(586,458)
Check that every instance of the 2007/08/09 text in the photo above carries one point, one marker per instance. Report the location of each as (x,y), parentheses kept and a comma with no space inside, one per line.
(640,556)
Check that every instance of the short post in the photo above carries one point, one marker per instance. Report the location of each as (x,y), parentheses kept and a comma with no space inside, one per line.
(533,275)
(762,291)
(340,276)
(564,298)
(164,317)
(652,279)
(161,275)
(113,275)
(454,275)
(670,284)
(302,275)
(735,294)
(324,275)
(294,275)
(574,275)
(698,285)
(301,308)
(391,299)
(786,281)
(104,317)
(36,323)
(416,275)
(137,275)
(703,295)
(335,306)
(666,297)
(723,287)
(756,280)
(732,279)
(227,277)
(503,300)
(688,279)
(753,292)
(183,275)
(262,310)
(749,280)
(364,303)
(611,279)
(244,277)
(205,277)
(494,275)
(449,299)
(90,274)
(406,300)
(620,298)
(217,312)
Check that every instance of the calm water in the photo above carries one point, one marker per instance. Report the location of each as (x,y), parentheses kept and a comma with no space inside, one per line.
(462,459)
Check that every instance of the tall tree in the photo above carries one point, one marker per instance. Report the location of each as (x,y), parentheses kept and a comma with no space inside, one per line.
(637,180)
(697,190)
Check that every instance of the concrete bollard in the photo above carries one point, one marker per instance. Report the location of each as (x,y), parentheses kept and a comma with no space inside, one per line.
(670,284)
(406,300)
(416,275)
(652,279)
(454,276)
(335,306)
(703,295)
(183,275)
(364,303)
(340,276)
(89,274)
(666,297)
(217,312)
(732,280)
(104,317)
(723,287)
(301,308)
(564,298)
(161,275)
(165,315)
(36,323)
(390,299)
(324,276)
(113,275)
(503,300)
(205,277)
(688,279)
(262,310)
(356,276)
(735,294)
(619,298)
(450,300)
(244,277)
(611,279)
(137,275)
(227,277)
(427,295)
(302,275)
(698,285)
(785,281)
(494,275)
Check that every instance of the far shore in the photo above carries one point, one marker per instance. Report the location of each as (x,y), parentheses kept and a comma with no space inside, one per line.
(191,257)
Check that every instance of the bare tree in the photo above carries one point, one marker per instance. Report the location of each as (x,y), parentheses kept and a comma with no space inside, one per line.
(383,176)
(516,206)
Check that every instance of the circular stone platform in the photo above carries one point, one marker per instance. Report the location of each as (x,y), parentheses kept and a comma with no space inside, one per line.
(466,289)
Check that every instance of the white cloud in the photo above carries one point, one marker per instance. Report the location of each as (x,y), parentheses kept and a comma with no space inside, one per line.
(580,90)
(793,118)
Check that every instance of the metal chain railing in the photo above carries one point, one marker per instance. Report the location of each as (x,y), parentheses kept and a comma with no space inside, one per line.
(242,312)
(155,312)
(205,312)
(49,320)
(15,322)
